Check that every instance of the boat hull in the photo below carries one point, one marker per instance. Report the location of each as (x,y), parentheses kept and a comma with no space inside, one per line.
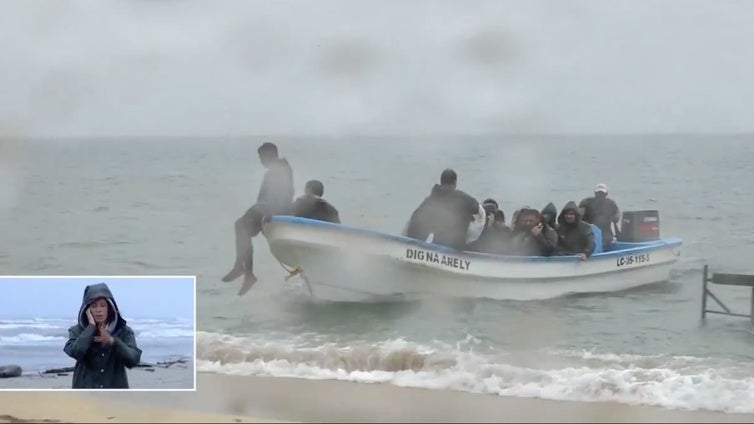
(344,263)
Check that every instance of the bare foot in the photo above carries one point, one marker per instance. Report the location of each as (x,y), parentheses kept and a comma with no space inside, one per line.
(234,273)
(248,280)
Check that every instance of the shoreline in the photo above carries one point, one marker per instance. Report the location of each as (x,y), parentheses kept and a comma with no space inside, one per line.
(71,407)
(179,376)
(228,398)
(301,400)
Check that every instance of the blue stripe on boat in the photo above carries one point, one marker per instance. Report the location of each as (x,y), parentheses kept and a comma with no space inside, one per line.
(623,248)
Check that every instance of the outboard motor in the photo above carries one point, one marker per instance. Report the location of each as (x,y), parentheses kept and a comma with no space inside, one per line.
(640,226)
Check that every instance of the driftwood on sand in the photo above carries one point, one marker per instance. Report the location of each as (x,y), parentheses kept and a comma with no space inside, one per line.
(165,364)
(58,370)
(146,365)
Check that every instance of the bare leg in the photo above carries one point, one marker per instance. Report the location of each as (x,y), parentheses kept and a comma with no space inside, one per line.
(243,250)
(246,227)
(249,278)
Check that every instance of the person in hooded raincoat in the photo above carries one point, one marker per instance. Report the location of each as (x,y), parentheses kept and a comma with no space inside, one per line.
(575,237)
(531,235)
(496,236)
(102,343)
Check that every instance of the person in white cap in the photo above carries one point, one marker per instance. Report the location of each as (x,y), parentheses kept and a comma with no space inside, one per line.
(602,212)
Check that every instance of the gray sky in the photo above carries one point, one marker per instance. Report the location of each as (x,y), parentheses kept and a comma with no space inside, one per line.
(166,67)
(137,297)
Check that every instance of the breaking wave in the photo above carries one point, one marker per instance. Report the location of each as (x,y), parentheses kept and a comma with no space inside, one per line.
(677,382)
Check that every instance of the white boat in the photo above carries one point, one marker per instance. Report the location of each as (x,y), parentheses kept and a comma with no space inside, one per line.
(342,263)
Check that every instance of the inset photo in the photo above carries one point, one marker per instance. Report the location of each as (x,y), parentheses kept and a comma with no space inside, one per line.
(97,333)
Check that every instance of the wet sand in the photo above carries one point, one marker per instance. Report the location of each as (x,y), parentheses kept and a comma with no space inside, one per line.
(177,376)
(329,401)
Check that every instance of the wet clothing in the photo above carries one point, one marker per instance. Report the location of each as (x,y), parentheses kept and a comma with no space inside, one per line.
(446,213)
(495,239)
(552,213)
(99,366)
(574,238)
(275,198)
(315,207)
(276,192)
(602,213)
(524,243)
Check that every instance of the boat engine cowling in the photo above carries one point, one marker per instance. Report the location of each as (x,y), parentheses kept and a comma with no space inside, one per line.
(640,226)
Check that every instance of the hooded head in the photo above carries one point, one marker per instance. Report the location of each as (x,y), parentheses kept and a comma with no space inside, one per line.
(549,214)
(565,215)
(490,207)
(526,219)
(96,293)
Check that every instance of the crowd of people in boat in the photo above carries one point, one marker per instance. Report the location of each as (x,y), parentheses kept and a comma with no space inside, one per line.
(445,217)
(448,216)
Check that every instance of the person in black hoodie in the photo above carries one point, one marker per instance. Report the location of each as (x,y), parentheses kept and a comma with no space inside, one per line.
(496,236)
(312,205)
(275,198)
(575,237)
(102,344)
(550,215)
(446,213)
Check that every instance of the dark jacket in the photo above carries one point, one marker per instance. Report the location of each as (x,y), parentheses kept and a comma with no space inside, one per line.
(602,213)
(552,212)
(276,192)
(99,366)
(447,213)
(524,243)
(574,238)
(495,239)
(315,207)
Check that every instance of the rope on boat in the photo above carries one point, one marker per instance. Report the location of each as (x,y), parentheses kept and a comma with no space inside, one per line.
(299,271)
(294,272)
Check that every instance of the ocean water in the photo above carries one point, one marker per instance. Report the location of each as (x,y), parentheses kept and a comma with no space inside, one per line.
(155,206)
(36,344)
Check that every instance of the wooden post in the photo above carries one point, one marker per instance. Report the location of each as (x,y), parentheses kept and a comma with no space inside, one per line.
(752,305)
(704,293)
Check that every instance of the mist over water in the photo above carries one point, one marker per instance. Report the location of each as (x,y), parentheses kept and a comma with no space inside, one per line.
(128,137)
(163,68)
(168,206)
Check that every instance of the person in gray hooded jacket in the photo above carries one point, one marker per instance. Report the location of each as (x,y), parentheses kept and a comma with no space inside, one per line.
(575,237)
(101,342)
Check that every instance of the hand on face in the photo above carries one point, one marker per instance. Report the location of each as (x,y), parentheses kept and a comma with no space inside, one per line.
(104,336)
(99,310)
(90,317)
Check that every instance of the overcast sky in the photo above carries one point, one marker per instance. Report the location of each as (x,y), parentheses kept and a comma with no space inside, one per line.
(184,67)
(137,297)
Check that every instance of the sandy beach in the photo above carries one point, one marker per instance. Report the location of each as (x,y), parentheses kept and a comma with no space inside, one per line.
(177,376)
(230,398)
(70,407)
